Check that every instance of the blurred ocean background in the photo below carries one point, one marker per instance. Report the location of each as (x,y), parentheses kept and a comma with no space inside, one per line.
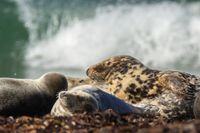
(67,36)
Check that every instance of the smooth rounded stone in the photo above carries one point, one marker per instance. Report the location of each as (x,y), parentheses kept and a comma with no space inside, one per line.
(88,98)
(30,96)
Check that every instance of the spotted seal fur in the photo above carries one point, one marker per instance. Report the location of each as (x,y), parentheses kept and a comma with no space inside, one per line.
(170,93)
(78,81)
(28,96)
(197,106)
(87,98)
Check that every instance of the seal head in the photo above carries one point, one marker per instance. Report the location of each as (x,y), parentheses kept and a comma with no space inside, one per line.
(121,64)
(74,101)
(55,82)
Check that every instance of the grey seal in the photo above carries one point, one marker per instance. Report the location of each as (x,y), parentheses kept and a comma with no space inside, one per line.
(28,96)
(87,98)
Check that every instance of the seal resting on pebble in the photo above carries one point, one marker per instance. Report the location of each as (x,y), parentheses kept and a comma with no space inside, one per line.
(87,98)
(30,97)
(170,94)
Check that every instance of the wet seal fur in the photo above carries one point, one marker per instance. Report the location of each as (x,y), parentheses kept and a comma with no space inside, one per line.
(30,97)
(169,93)
(87,98)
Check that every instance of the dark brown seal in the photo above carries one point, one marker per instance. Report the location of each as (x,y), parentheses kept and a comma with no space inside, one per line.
(30,97)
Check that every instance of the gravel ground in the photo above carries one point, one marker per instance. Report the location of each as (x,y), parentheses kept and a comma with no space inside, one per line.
(99,122)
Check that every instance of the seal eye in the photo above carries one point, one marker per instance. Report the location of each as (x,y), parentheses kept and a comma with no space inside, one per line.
(81,81)
(108,63)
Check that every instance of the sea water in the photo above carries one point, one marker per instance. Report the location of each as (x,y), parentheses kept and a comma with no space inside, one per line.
(37,36)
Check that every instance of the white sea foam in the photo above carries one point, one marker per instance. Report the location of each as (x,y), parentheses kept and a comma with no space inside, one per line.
(163,35)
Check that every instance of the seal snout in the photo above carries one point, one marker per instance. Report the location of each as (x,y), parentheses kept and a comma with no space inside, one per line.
(63,94)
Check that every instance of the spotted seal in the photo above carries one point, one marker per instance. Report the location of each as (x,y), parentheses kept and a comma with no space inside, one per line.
(197,106)
(87,98)
(28,96)
(79,81)
(169,93)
